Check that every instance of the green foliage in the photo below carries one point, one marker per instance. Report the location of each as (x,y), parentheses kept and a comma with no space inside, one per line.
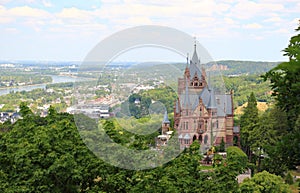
(224,177)
(289,178)
(285,80)
(236,159)
(45,155)
(264,182)
(245,84)
(36,97)
(164,95)
(222,145)
(25,110)
(248,122)
(285,83)
(11,79)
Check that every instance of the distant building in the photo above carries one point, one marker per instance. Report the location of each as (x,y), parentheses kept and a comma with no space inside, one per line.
(94,111)
(104,111)
(12,117)
(201,113)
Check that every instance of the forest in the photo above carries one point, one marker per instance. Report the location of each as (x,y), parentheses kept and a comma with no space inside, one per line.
(47,155)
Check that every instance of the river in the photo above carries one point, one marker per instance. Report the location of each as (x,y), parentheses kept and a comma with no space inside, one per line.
(55,79)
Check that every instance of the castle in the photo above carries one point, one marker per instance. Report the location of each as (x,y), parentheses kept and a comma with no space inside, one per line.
(200,112)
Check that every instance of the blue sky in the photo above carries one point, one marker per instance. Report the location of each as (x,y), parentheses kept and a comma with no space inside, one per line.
(68,30)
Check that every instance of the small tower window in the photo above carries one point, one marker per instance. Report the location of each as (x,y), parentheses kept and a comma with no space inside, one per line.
(205,139)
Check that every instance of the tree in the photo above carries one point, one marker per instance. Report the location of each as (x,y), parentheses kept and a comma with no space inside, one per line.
(224,176)
(249,121)
(264,182)
(222,145)
(44,155)
(262,136)
(25,110)
(285,83)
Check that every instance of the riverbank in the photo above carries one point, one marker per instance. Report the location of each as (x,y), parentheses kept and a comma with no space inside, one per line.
(55,79)
(27,85)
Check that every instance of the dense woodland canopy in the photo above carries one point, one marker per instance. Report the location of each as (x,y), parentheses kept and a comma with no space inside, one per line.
(47,155)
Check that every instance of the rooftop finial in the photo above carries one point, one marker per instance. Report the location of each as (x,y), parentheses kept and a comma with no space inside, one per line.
(195,41)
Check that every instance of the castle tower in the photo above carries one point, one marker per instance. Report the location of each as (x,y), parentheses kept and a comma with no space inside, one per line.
(200,112)
(165,124)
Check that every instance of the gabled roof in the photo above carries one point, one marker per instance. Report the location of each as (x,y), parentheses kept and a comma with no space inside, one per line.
(212,100)
(224,105)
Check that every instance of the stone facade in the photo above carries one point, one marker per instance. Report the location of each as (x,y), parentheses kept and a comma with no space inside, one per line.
(200,112)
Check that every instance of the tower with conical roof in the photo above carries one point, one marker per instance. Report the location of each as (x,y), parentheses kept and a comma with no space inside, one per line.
(165,124)
(199,112)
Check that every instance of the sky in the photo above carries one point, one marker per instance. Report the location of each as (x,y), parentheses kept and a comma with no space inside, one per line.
(67,30)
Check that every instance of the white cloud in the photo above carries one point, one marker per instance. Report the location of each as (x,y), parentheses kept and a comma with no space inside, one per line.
(252,26)
(248,9)
(26,11)
(47,3)
(74,13)
(256,37)
(275,19)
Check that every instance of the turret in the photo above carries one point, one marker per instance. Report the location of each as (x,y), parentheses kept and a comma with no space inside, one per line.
(165,124)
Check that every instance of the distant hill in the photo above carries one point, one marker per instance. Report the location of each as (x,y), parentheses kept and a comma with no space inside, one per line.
(235,67)
(228,67)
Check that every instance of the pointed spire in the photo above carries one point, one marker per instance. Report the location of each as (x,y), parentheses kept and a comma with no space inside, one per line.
(187,70)
(166,119)
(194,63)
(195,59)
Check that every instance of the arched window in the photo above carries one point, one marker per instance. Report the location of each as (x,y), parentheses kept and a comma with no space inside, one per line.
(200,139)
(194,138)
(205,139)
(235,140)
